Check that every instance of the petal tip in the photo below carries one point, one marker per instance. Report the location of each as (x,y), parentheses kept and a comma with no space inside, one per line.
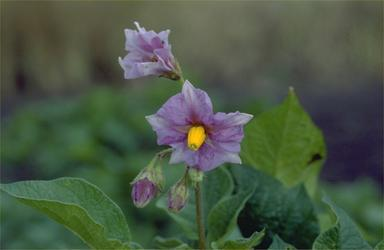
(188,84)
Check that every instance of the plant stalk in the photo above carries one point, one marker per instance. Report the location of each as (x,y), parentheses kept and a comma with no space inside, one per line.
(181,79)
(199,216)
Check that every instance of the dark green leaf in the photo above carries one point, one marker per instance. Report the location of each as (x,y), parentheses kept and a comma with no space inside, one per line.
(222,218)
(216,185)
(285,143)
(78,205)
(241,243)
(279,244)
(286,212)
(170,243)
(135,245)
(379,246)
(343,235)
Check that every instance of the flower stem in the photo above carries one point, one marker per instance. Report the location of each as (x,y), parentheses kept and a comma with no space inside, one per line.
(181,79)
(199,216)
(164,152)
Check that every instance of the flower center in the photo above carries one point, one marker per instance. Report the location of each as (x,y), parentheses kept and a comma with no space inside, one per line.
(196,137)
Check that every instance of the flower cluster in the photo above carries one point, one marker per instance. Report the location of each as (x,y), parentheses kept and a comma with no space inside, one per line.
(200,138)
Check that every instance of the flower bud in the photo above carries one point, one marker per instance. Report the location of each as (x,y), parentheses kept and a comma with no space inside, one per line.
(143,191)
(148,182)
(178,195)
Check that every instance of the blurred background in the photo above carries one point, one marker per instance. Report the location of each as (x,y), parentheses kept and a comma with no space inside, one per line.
(67,111)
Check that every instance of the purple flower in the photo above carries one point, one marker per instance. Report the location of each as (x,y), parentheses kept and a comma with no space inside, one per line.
(199,137)
(143,191)
(148,54)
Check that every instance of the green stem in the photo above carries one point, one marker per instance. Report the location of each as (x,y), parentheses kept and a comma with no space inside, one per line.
(159,156)
(180,73)
(199,216)
(164,152)
(181,79)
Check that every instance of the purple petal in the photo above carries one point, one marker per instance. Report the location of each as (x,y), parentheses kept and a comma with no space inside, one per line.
(228,128)
(175,111)
(140,29)
(211,156)
(166,58)
(208,157)
(182,153)
(199,105)
(224,120)
(167,133)
(134,66)
(164,37)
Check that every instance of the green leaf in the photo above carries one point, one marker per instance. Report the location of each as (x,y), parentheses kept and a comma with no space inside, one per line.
(241,243)
(379,246)
(222,218)
(135,245)
(286,212)
(170,243)
(279,244)
(217,185)
(343,235)
(285,143)
(78,205)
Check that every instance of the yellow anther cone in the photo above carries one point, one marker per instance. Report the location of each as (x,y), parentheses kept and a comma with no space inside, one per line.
(196,137)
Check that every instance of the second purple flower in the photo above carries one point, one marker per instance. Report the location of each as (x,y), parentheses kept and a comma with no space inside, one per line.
(149,53)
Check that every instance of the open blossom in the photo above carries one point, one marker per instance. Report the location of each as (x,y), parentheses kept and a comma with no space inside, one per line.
(149,53)
(200,138)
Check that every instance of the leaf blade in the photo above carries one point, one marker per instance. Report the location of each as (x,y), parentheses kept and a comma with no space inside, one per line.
(78,205)
(286,212)
(279,244)
(285,143)
(223,216)
(242,243)
(343,235)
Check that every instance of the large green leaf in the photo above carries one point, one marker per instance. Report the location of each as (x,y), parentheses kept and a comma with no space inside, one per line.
(241,243)
(343,235)
(285,143)
(279,244)
(170,243)
(379,246)
(217,185)
(286,212)
(80,206)
(222,218)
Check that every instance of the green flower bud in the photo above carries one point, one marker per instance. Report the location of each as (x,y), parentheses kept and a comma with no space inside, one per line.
(178,195)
